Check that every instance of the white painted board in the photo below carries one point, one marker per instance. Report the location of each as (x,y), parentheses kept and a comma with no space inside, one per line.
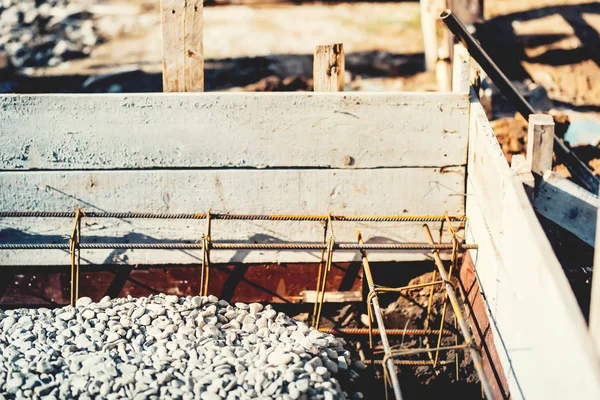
(567,205)
(543,321)
(386,191)
(247,130)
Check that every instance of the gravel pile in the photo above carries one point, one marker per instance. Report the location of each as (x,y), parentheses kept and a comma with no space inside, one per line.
(36,33)
(168,347)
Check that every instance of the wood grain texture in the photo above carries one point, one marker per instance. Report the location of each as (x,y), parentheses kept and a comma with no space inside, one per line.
(428,26)
(528,295)
(540,143)
(594,317)
(568,205)
(248,130)
(520,165)
(461,70)
(183,58)
(395,191)
(329,68)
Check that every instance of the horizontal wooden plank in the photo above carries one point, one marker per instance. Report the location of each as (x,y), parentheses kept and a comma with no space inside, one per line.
(534,311)
(395,191)
(188,130)
(567,205)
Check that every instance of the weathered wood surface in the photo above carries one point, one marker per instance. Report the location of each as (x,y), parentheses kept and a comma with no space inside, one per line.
(183,57)
(428,26)
(329,68)
(385,191)
(541,334)
(520,165)
(461,70)
(272,283)
(324,130)
(568,205)
(594,317)
(540,143)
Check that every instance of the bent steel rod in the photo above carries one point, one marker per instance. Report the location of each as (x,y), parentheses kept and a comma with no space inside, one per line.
(577,168)
(378,316)
(253,217)
(459,316)
(239,246)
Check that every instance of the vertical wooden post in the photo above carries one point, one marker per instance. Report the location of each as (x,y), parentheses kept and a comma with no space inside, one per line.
(329,68)
(594,319)
(443,66)
(540,142)
(428,26)
(183,56)
(521,167)
(461,70)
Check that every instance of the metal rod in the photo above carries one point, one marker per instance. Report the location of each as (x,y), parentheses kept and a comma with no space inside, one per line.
(261,217)
(577,168)
(461,321)
(389,332)
(414,363)
(378,316)
(237,246)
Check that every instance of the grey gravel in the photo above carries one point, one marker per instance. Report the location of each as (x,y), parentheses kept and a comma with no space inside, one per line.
(168,347)
(36,33)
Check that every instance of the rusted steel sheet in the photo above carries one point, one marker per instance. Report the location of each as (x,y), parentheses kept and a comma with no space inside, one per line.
(274,283)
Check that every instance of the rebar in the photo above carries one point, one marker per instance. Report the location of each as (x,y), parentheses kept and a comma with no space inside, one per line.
(389,332)
(477,362)
(577,168)
(379,317)
(236,246)
(254,217)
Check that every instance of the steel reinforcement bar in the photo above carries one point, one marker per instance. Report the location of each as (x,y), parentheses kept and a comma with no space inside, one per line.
(251,217)
(239,246)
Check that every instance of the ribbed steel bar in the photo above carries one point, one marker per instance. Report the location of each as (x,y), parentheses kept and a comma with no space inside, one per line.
(254,217)
(379,317)
(238,246)
(414,363)
(391,332)
(462,323)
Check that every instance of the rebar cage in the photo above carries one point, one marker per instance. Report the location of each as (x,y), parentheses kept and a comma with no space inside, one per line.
(391,355)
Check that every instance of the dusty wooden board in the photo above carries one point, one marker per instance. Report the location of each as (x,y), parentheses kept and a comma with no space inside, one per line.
(553,356)
(273,283)
(322,130)
(568,205)
(329,68)
(387,191)
(183,56)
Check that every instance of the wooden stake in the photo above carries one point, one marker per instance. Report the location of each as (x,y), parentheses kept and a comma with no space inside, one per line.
(461,70)
(183,57)
(328,68)
(428,26)
(540,142)
(443,66)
